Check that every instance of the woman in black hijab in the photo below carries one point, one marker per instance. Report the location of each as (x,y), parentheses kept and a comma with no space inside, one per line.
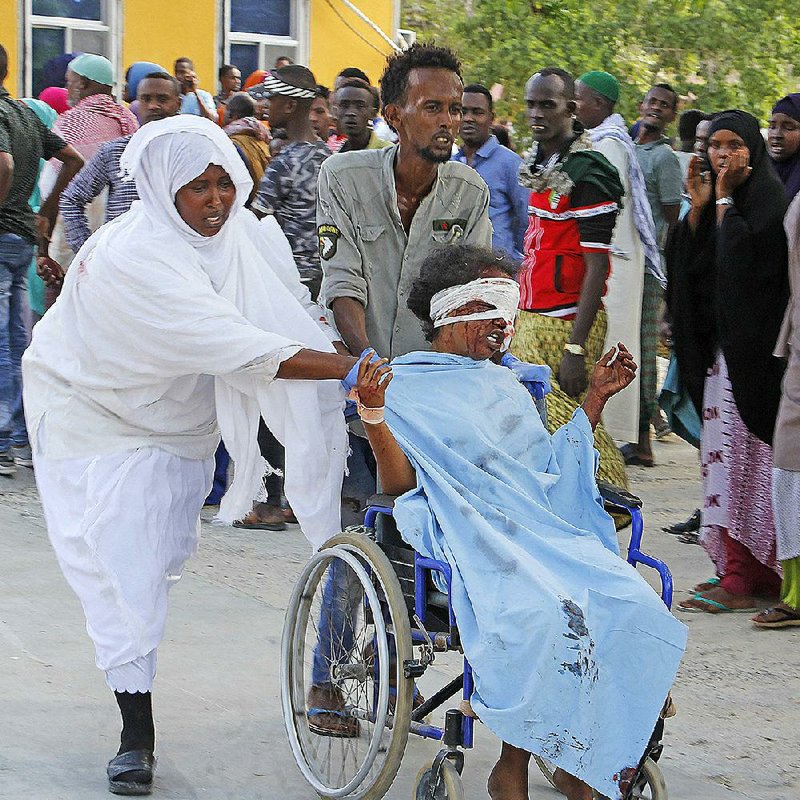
(727,293)
(783,142)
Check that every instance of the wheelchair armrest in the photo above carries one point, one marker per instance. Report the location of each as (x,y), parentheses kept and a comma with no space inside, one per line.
(616,496)
(382,500)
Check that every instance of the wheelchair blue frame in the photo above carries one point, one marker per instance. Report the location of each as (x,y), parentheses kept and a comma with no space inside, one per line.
(423,567)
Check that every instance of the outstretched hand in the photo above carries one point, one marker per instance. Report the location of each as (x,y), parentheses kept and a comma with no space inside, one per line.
(374,376)
(613,372)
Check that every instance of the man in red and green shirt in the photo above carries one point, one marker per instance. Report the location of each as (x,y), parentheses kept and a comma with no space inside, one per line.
(575,196)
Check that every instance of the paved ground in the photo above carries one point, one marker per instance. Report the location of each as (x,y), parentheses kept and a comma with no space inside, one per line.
(217,707)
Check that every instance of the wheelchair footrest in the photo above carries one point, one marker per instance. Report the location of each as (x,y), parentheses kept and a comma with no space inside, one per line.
(414,668)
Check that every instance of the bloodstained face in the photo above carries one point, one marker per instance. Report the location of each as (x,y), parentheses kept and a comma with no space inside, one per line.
(479,339)
(205,203)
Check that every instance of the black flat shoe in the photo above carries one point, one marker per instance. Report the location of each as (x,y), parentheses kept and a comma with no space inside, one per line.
(131,773)
(690,526)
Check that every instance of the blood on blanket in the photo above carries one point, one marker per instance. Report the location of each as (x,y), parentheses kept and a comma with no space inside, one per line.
(584,664)
(575,618)
(511,423)
(554,743)
(494,560)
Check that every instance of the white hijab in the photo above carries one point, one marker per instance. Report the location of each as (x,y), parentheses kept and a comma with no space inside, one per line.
(233,311)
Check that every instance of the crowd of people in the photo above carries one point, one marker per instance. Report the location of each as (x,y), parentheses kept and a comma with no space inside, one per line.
(194,264)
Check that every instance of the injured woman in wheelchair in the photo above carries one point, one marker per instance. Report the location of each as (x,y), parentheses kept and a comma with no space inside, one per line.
(573,653)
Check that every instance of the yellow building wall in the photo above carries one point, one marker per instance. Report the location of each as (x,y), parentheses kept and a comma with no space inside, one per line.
(10,39)
(333,46)
(163,31)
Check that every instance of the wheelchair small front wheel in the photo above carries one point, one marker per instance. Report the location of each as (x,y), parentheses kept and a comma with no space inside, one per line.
(650,786)
(448,786)
(346,702)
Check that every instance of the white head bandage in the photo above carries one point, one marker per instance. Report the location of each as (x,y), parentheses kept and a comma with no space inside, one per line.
(500,293)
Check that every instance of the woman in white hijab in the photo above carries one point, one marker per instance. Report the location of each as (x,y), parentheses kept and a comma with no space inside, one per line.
(170,328)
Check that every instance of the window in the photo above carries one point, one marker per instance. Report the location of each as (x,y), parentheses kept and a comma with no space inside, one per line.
(53,27)
(258,31)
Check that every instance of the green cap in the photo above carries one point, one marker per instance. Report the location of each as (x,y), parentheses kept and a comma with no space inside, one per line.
(94,68)
(603,83)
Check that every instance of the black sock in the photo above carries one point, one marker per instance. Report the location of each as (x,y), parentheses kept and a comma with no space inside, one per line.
(138,730)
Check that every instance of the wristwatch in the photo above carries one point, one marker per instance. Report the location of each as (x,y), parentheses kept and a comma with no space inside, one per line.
(575,349)
(725,201)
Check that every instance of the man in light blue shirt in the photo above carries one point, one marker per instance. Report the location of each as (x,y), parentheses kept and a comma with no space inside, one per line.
(193,100)
(499,168)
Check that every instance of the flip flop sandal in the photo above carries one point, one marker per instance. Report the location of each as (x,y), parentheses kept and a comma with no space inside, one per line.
(782,618)
(709,584)
(252,523)
(720,608)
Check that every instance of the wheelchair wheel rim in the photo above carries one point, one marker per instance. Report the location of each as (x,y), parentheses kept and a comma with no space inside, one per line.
(334,766)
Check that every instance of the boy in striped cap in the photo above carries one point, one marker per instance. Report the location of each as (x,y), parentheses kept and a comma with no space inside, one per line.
(288,191)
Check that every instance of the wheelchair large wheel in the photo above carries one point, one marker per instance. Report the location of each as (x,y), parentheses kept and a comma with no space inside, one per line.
(650,786)
(346,636)
(448,787)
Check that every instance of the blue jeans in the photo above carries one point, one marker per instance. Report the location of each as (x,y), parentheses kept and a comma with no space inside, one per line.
(15,257)
(342,592)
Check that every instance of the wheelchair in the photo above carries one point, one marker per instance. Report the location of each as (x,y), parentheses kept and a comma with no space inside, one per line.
(365,619)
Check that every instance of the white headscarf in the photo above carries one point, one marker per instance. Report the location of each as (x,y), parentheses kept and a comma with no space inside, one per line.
(203,305)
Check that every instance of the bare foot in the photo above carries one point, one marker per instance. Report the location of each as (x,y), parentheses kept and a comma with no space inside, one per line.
(509,778)
(706,586)
(503,786)
(716,597)
(571,787)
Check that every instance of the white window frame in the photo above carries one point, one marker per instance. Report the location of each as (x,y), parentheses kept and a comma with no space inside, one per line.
(112,17)
(298,41)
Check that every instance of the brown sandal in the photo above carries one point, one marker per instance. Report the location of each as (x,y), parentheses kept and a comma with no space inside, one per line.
(781,616)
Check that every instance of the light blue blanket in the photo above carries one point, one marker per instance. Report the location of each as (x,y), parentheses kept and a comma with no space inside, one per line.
(573,652)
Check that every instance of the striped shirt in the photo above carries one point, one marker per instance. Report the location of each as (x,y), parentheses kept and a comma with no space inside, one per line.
(562,228)
(100,172)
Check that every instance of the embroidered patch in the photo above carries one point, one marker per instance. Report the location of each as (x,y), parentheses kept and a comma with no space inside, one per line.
(328,239)
(445,225)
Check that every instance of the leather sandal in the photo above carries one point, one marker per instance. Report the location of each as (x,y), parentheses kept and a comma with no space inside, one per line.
(327,716)
(131,773)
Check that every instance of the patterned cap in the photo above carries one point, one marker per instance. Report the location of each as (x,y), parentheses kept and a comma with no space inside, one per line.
(292,80)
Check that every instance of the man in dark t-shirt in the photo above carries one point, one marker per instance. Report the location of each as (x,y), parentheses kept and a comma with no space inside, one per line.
(23,142)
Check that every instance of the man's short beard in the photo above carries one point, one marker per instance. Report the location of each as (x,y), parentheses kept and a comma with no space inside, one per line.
(428,155)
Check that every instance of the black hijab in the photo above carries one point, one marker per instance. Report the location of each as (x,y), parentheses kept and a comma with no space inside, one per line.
(789,170)
(729,286)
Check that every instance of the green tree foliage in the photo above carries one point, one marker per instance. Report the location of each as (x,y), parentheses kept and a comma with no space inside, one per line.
(716,53)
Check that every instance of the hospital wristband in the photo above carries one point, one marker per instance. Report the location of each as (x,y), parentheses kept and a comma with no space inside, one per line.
(371,416)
